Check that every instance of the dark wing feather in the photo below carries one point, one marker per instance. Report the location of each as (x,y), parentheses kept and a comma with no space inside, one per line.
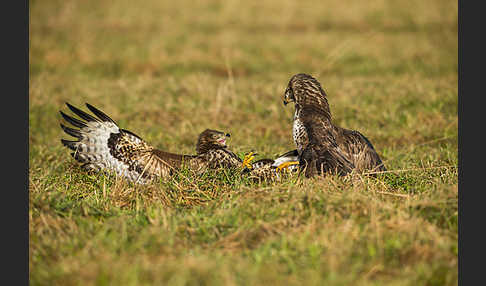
(71,131)
(70,144)
(322,154)
(318,159)
(101,115)
(81,113)
(131,133)
(360,150)
(75,122)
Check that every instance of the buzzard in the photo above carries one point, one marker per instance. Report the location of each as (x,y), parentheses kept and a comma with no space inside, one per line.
(322,146)
(102,145)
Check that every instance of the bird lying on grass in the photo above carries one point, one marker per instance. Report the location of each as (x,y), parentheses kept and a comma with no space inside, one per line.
(322,146)
(102,146)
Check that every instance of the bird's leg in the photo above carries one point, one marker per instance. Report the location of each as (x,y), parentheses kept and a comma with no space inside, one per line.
(286,165)
(247,160)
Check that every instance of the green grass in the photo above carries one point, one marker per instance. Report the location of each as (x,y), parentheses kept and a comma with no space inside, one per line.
(167,70)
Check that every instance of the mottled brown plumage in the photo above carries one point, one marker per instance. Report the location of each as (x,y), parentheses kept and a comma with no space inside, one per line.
(322,146)
(102,145)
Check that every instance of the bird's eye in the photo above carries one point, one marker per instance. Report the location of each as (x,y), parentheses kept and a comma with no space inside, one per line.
(214,136)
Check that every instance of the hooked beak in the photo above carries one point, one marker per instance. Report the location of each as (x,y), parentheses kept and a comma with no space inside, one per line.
(222,141)
(285,102)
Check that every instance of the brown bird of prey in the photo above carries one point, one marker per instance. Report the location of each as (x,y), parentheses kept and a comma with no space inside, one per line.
(102,145)
(322,146)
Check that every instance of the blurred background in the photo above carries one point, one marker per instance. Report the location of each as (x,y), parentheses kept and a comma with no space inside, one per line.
(169,69)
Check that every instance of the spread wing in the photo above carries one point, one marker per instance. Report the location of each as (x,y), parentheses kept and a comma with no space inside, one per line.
(322,154)
(102,145)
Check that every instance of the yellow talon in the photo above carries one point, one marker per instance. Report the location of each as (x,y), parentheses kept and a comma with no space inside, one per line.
(286,165)
(246,161)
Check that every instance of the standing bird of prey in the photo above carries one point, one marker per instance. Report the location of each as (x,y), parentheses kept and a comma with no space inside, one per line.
(102,145)
(322,146)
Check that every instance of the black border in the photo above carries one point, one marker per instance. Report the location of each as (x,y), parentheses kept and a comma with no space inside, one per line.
(471,166)
(15,143)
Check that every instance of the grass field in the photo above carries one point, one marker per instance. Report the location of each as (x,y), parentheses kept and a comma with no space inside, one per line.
(167,70)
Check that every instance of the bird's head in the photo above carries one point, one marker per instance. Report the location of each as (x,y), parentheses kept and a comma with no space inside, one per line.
(302,87)
(305,90)
(211,139)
